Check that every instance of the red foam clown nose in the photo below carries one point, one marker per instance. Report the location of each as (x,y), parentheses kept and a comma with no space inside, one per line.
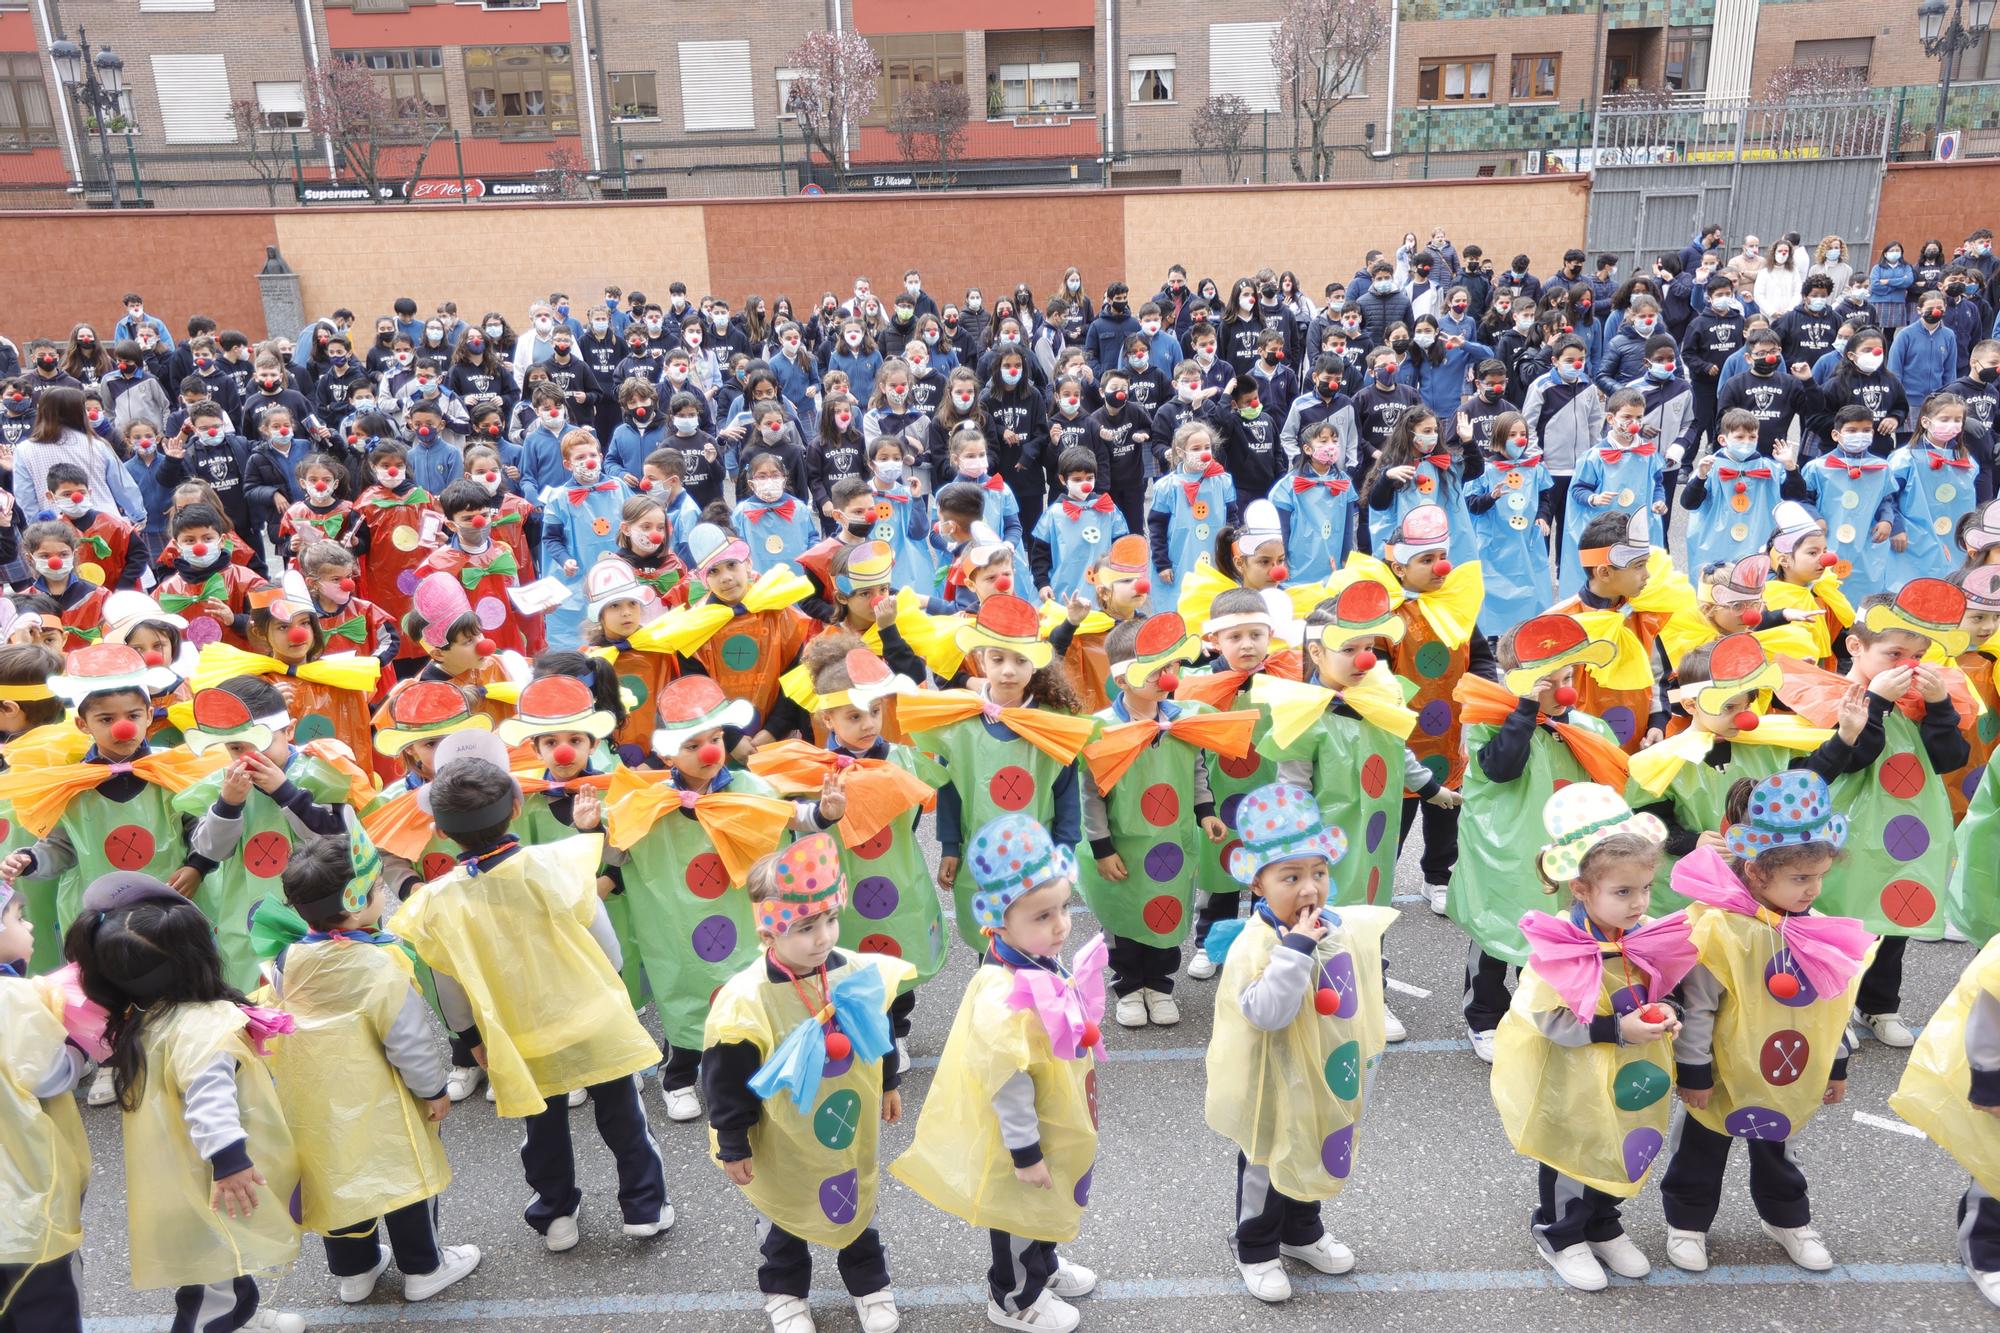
(1086,486)
(563,756)
(124,729)
(1005,583)
(486,647)
(1828,560)
(1655,1013)
(1092,1034)
(199,549)
(646,484)
(1365,660)
(1168,681)
(1441,568)
(838,1047)
(298,636)
(1280,572)
(1783,985)
(479,520)
(708,754)
(1566,695)
(347,585)
(1325,1001)
(55,562)
(843,761)
(1747,720)
(1140,587)
(154,657)
(875,602)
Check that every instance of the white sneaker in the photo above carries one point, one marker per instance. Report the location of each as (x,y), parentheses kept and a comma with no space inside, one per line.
(1266,1281)
(579,1097)
(1435,895)
(274,1321)
(1803,1245)
(491,1095)
(103,1088)
(1072,1280)
(1576,1265)
(1131,1011)
(1392,1026)
(789,1314)
(877,1312)
(359,1287)
(1621,1256)
(1953,935)
(1161,1009)
(683,1104)
(1889,1029)
(1326,1254)
(459,1260)
(562,1232)
(1201,967)
(1049,1314)
(664,1222)
(1988,1284)
(1687,1250)
(1482,1044)
(463,1082)
(902,1056)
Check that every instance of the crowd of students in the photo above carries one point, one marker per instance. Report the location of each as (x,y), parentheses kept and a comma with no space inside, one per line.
(429,706)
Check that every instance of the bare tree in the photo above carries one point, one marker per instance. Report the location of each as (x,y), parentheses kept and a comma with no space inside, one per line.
(348,107)
(269,148)
(837,85)
(567,175)
(1819,103)
(1319,52)
(930,126)
(1813,78)
(1222,127)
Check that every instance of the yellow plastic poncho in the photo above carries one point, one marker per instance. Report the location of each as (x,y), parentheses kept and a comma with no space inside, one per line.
(553,1014)
(44,1158)
(1772,1060)
(177,1239)
(365,1146)
(1292,1100)
(813,1174)
(1596,1113)
(1936,1082)
(957,1161)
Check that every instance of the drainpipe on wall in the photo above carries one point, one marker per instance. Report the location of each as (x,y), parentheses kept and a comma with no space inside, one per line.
(589,86)
(838,30)
(69,129)
(1389,85)
(1109,84)
(312,69)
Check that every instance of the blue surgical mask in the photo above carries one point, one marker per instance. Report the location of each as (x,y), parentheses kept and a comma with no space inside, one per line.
(1567,373)
(1660,373)
(1816,304)
(1739,450)
(1856,441)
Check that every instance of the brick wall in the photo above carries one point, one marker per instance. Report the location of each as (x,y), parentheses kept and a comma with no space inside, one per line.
(182,263)
(1896,57)
(1922,201)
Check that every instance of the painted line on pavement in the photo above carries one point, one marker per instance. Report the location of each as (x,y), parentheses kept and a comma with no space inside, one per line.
(971,1295)
(1407,989)
(1170,1054)
(1883,1122)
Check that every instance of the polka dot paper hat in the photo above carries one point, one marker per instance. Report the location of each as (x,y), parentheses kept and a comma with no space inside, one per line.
(807,882)
(1582,815)
(1009,857)
(1277,823)
(1786,808)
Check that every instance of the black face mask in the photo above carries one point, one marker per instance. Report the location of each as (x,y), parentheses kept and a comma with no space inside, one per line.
(860,528)
(1987,374)
(385,339)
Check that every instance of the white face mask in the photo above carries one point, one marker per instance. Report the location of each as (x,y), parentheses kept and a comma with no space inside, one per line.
(1868,362)
(210,553)
(587,473)
(1246,302)
(56,565)
(552,418)
(1856,441)
(489,480)
(895,395)
(1079,491)
(773,433)
(390,477)
(767,489)
(677,374)
(791,346)
(1151,327)
(645,543)
(543,323)
(496,330)
(918,363)
(891,471)
(686,425)
(1425,339)
(913,287)
(72,508)
(852,337)
(1740,449)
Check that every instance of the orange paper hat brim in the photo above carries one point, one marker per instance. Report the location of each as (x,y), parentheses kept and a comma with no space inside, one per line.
(1482,701)
(878,792)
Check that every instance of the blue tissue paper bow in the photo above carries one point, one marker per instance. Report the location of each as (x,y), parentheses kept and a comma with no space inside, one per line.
(796,1066)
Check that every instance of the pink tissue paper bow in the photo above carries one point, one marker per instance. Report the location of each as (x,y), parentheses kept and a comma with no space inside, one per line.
(265,1024)
(1828,949)
(1571,959)
(1065,1007)
(83,1018)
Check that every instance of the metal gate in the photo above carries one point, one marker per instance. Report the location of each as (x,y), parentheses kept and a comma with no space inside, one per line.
(1662,169)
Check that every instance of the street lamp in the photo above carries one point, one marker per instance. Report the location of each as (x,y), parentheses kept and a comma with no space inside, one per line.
(1944,41)
(96,85)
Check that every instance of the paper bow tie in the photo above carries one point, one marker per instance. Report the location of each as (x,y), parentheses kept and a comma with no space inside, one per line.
(1066,1007)
(214,588)
(783,509)
(1112,755)
(798,1064)
(1571,959)
(1611,456)
(1939,460)
(503,564)
(577,493)
(1509,464)
(1732,473)
(1829,950)
(1101,504)
(354,628)
(1334,485)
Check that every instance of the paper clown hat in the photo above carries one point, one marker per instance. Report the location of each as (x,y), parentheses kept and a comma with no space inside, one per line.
(807,882)
(1007,621)
(1982,589)
(1983,532)
(1008,857)
(1425,528)
(709,544)
(1582,815)
(869,679)
(1631,548)
(871,564)
(425,710)
(1790,807)
(1550,642)
(1129,558)
(1741,583)
(556,703)
(1736,664)
(1930,608)
(1277,823)
(100,666)
(126,610)
(1163,640)
(220,718)
(1792,523)
(613,580)
(1260,528)
(1362,610)
(440,599)
(690,705)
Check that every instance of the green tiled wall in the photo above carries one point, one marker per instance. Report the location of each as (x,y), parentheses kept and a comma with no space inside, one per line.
(1508,128)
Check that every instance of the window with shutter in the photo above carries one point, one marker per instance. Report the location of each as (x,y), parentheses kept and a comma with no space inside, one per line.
(176,6)
(281,106)
(1239,62)
(194,98)
(715,86)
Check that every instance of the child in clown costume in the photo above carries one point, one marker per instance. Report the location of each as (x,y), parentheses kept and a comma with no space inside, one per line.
(445,629)
(1951,1091)
(851,694)
(1850,486)
(1981,623)
(1732,492)
(1583,1065)
(1726,689)
(1417,467)
(1189,504)
(1121,584)
(1972,897)
(1298,1031)
(1510,528)
(474,554)
(1007,1138)
(1147,808)
(580,520)
(1522,738)
(1008,741)
(620,604)
(1073,536)
(525,958)
(690,832)
(797,1041)
(1729,599)
(390,536)
(327,696)
(1763,1039)
(1631,592)
(255,810)
(210,1166)
(1315,504)
(1894,876)
(779,527)
(42,1136)
(350,991)
(1932,487)
(1624,475)
(745,634)
(1806,576)
(131,617)
(35,730)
